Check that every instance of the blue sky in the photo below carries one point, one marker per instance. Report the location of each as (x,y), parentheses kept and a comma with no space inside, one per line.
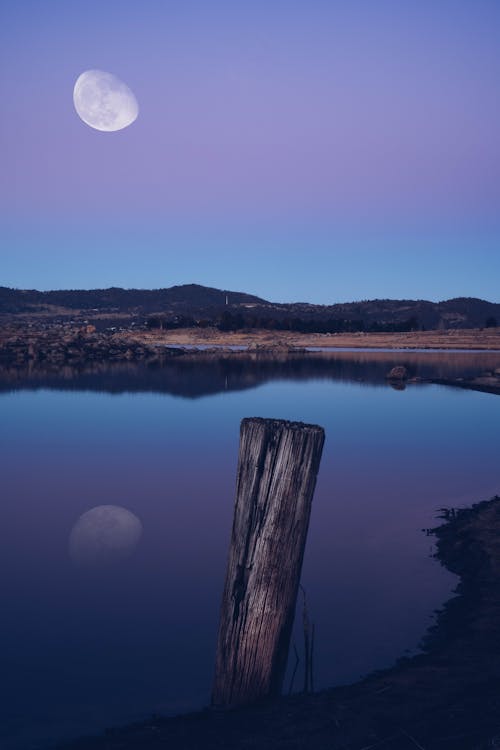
(319,151)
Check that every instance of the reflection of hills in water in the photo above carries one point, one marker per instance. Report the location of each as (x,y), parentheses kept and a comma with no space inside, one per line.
(195,375)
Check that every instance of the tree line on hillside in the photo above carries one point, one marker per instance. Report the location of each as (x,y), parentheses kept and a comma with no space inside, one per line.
(237,321)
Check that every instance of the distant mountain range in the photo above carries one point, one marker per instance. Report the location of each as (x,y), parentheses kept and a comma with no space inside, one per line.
(192,304)
(186,298)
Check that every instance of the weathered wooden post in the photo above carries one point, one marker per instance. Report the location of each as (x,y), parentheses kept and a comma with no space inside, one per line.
(277,468)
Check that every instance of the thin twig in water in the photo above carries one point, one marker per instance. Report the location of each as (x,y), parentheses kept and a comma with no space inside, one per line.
(412,739)
(305,623)
(380,742)
(311,659)
(383,690)
(292,680)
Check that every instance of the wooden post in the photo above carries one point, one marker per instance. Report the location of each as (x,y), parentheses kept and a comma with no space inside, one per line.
(277,468)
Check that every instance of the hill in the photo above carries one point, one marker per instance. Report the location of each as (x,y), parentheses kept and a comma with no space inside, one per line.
(188,297)
(194,305)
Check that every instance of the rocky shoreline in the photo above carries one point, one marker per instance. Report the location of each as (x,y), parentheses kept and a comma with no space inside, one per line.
(60,346)
(446,697)
(488,382)
(50,348)
(67,342)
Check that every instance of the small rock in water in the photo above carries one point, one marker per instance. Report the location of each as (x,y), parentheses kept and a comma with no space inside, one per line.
(397,373)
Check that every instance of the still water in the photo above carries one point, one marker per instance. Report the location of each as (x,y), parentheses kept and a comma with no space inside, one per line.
(84,647)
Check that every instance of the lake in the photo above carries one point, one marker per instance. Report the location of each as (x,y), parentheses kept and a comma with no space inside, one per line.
(89,646)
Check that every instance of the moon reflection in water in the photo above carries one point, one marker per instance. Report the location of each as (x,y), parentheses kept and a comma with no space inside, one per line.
(105,534)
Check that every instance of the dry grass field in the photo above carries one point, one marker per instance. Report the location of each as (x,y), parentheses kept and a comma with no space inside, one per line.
(488,338)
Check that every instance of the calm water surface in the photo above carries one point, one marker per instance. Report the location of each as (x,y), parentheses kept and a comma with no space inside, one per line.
(84,648)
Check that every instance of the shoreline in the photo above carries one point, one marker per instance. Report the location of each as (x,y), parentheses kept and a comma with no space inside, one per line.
(461,340)
(24,352)
(23,341)
(446,697)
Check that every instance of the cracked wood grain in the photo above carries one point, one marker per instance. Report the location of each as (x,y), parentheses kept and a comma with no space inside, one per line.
(277,469)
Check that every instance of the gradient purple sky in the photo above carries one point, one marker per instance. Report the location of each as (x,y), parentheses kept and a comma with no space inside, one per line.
(323,151)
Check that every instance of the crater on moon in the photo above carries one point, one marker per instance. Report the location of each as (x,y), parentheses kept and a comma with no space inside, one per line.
(104,534)
(103,101)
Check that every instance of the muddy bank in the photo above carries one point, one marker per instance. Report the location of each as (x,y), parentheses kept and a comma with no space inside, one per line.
(488,382)
(447,697)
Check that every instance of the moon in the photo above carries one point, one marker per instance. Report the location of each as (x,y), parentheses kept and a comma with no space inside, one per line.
(104,102)
(104,534)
